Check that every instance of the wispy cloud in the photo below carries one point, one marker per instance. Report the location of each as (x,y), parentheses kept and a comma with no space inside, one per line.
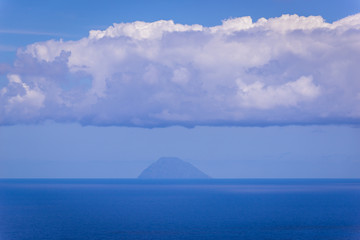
(286,70)
(7,48)
(28,32)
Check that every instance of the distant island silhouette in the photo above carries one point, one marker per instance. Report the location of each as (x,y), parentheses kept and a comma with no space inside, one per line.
(172,168)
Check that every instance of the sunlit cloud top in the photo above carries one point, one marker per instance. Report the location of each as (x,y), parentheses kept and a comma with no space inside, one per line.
(277,71)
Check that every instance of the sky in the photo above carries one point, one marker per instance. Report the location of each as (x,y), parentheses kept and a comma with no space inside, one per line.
(241,89)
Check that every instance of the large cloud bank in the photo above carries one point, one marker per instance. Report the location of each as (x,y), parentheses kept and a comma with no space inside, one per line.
(286,70)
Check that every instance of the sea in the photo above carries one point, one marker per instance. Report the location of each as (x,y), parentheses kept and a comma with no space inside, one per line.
(219,209)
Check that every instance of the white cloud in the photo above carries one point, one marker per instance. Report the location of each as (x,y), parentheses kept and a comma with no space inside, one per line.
(142,30)
(286,70)
(32,97)
(181,76)
(26,100)
(257,95)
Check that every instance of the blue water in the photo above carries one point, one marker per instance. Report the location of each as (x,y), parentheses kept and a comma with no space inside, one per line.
(204,209)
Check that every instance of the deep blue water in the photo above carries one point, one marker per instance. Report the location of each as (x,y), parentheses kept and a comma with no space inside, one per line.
(203,209)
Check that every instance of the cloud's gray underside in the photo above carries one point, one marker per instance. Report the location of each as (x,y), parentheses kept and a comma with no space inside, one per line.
(286,70)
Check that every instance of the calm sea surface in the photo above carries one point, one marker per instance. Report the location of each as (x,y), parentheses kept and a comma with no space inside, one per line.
(203,209)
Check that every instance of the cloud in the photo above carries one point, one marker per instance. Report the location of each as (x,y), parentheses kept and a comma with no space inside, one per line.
(256,95)
(21,98)
(285,70)
(29,32)
(7,48)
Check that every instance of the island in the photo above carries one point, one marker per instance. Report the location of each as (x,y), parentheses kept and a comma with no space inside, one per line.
(172,168)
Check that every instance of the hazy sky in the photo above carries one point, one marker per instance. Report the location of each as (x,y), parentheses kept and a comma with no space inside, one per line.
(238,88)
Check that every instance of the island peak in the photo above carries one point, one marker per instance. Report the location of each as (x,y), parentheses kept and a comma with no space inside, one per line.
(172,168)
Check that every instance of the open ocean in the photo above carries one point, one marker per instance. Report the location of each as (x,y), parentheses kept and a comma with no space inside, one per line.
(79,209)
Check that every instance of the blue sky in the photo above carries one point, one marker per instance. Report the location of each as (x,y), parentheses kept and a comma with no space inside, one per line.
(296,110)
